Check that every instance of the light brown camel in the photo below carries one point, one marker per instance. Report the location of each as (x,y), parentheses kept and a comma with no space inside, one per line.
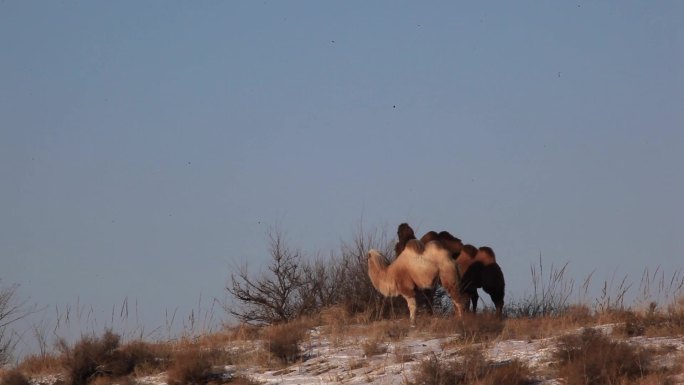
(425,298)
(419,266)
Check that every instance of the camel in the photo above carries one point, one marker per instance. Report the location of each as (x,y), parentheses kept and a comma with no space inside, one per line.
(418,266)
(478,269)
(452,244)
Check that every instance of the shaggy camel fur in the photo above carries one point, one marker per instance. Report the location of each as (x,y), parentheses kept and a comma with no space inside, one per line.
(479,269)
(447,240)
(405,233)
(425,298)
(476,268)
(418,266)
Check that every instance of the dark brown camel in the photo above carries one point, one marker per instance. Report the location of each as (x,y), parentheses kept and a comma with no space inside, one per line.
(478,269)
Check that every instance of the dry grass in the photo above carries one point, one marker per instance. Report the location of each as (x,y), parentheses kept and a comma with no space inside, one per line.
(104,360)
(242,380)
(439,326)
(402,354)
(40,364)
(143,358)
(112,381)
(481,328)
(14,377)
(190,366)
(94,357)
(541,327)
(594,358)
(394,330)
(652,323)
(373,347)
(283,341)
(471,369)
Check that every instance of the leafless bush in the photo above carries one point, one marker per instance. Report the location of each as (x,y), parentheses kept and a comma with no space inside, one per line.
(593,358)
(294,286)
(283,341)
(356,292)
(11,310)
(14,377)
(282,294)
(472,369)
(103,358)
(373,346)
(190,366)
(91,357)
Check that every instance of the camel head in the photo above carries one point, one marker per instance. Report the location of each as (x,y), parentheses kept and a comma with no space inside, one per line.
(485,255)
(404,234)
(466,257)
(373,254)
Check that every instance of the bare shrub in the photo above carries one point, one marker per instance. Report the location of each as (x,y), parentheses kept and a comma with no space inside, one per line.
(92,357)
(14,377)
(432,371)
(283,341)
(294,286)
(471,369)
(39,363)
(280,295)
(509,373)
(144,358)
(651,323)
(593,358)
(355,291)
(190,366)
(11,310)
(104,357)
(373,347)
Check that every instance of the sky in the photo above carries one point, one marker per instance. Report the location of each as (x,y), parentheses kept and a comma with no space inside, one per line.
(147,147)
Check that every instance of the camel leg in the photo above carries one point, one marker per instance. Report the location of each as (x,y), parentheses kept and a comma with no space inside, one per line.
(430,300)
(474,297)
(411,302)
(458,308)
(499,309)
(424,298)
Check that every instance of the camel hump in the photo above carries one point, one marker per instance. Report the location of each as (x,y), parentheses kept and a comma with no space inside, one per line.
(446,236)
(416,246)
(469,250)
(429,237)
(486,255)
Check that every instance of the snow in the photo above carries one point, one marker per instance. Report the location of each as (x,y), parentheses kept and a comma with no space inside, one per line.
(345,362)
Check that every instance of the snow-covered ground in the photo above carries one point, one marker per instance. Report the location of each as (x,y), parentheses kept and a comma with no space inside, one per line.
(346,363)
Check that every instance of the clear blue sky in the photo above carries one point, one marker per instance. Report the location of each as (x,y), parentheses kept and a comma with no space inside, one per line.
(145,147)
